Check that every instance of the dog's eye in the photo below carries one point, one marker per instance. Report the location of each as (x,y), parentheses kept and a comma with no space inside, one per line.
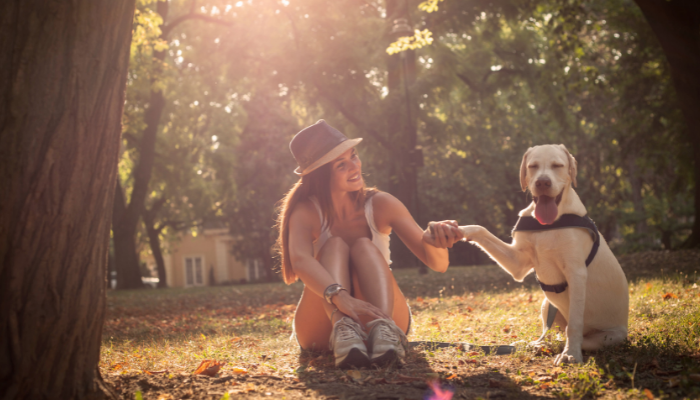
(557,165)
(532,166)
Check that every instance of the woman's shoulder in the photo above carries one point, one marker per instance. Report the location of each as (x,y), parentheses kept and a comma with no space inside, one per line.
(305,212)
(381,199)
(384,203)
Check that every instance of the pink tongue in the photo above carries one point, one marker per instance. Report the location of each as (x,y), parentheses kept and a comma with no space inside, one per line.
(546,210)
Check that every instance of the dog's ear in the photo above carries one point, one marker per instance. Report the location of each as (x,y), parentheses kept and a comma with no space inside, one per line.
(573,165)
(523,171)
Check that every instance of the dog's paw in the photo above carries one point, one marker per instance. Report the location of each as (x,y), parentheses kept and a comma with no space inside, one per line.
(569,356)
(537,344)
(470,231)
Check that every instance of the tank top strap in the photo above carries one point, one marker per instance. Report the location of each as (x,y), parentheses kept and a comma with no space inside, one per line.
(369,213)
(381,240)
(314,200)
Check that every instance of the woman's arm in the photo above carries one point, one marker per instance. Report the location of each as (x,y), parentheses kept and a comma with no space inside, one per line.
(301,249)
(429,247)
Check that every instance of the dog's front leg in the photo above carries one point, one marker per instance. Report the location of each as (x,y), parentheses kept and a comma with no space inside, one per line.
(510,257)
(576,277)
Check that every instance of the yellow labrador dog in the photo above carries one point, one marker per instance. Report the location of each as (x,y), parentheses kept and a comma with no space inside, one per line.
(573,263)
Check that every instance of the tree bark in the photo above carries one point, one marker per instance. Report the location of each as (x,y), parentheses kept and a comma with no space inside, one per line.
(63,71)
(676,25)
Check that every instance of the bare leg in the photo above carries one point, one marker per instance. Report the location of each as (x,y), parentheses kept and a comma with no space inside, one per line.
(311,321)
(374,282)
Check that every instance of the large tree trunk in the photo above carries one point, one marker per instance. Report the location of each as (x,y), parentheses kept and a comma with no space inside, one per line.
(63,72)
(676,24)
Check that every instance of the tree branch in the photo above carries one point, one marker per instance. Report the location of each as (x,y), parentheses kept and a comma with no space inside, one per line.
(165,31)
(353,118)
(468,82)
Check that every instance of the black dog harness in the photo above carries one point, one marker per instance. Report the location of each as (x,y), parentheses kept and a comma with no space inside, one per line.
(530,224)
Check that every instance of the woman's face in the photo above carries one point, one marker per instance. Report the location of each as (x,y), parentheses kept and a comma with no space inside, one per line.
(346,172)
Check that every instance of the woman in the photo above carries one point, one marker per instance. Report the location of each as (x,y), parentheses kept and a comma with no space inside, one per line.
(334,236)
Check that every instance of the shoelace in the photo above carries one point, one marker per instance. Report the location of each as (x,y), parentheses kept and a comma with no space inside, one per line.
(349,331)
(392,333)
(386,333)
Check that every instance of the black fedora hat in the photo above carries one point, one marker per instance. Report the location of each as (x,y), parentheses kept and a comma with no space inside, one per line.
(317,145)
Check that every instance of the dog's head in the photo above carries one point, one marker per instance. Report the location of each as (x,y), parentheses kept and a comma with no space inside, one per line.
(546,171)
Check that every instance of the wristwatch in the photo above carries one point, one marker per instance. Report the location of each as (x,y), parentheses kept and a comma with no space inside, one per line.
(331,291)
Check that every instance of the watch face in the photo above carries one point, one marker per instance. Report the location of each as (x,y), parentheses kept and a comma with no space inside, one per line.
(332,291)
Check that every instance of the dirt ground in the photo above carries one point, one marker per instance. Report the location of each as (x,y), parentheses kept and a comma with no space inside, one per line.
(660,360)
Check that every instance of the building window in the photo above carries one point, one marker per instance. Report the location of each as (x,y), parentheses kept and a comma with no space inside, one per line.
(194,273)
(254,270)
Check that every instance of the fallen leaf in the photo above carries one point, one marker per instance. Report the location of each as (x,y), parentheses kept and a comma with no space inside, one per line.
(649,394)
(668,296)
(239,371)
(155,372)
(648,285)
(355,374)
(449,378)
(235,340)
(118,366)
(506,329)
(419,299)
(209,367)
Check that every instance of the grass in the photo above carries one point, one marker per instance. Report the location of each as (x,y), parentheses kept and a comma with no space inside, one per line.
(153,340)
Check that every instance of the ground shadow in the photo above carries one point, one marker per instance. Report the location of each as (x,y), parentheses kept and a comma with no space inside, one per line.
(411,380)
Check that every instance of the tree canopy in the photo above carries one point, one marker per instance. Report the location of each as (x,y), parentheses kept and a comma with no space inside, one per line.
(488,80)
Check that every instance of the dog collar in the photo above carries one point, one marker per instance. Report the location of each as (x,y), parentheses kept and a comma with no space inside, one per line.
(530,224)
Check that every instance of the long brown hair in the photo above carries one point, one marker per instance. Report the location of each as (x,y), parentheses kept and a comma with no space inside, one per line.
(316,183)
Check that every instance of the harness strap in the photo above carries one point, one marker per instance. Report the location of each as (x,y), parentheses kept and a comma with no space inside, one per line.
(530,224)
(551,314)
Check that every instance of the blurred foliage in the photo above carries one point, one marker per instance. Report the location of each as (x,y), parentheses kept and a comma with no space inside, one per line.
(499,77)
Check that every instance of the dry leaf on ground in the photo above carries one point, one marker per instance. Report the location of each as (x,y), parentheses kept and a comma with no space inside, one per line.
(209,367)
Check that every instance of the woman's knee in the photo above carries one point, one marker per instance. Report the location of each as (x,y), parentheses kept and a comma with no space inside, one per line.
(336,244)
(362,246)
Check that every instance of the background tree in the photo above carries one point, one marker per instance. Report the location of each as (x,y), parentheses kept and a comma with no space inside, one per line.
(153,81)
(676,25)
(64,68)
(263,172)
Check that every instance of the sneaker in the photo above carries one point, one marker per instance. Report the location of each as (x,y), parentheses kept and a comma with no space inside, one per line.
(347,343)
(388,342)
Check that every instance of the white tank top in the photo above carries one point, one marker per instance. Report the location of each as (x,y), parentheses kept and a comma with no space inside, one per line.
(381,240)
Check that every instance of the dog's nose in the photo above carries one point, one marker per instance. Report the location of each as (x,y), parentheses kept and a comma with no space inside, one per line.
(543,182)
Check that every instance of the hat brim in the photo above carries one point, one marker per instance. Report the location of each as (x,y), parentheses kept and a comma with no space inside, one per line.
(334,153)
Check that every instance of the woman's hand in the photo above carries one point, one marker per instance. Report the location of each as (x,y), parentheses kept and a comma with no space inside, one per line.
(353,307)
(442,234)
